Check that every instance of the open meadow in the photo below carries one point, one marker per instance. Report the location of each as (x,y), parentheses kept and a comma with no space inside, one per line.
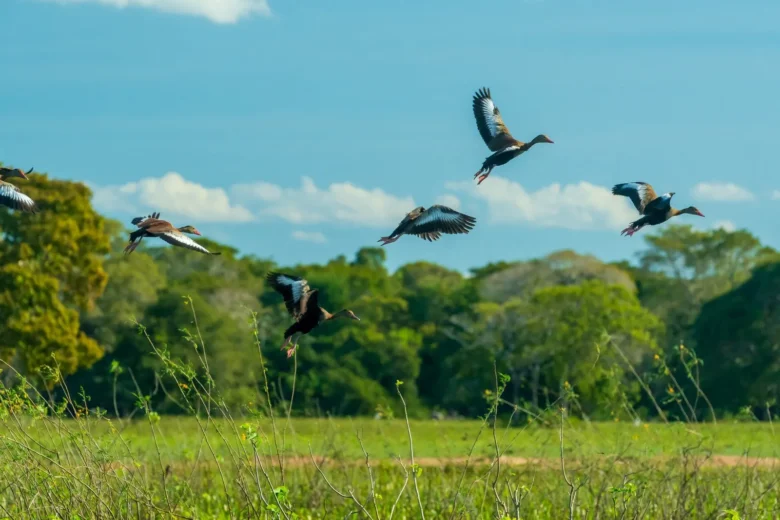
(258,466)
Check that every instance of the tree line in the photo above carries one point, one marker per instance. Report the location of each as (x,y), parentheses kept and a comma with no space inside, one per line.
(699,307)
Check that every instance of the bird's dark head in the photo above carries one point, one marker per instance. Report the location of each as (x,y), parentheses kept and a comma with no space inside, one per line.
(541,138)
(690,210)
(189,229)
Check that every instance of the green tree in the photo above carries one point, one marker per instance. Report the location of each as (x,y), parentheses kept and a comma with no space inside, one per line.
(555,337)
(738,336)
(559,268)
(683,268)
(53,269)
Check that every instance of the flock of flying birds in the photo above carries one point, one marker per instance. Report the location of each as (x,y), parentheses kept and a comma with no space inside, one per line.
(429,224)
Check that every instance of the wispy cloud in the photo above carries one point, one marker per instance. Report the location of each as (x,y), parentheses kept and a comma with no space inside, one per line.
(218,11)
(172,195)
(310,236)
(721,192)
(725,225)
(339,202)
(451,201)
(571,206)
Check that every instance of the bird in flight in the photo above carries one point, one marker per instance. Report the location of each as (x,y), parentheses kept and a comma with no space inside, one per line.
(430,223)
(654,209)
(496,135)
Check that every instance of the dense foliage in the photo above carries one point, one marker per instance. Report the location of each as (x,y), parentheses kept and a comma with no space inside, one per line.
(559,324)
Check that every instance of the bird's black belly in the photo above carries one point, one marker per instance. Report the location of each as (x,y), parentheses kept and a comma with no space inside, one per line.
(500,158)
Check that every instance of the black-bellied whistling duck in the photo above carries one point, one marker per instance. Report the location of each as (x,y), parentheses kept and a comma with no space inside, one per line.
(430,223)
(496,135)
(152,226)
(10,195)
(301,303)
(655,210)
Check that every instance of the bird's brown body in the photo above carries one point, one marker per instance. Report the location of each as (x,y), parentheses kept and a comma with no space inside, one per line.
(10,195)
(654,209)
(303,305)
(496,135)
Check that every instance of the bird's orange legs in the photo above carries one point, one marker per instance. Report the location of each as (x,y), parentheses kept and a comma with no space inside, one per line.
(630,230)
(388,240)
(482,176)
(132,245)
(290,350)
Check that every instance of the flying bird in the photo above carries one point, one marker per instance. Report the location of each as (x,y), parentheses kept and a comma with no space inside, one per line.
(496,135)
(430,223)
(10,195)
(153,226)
(301,302)
(655,210)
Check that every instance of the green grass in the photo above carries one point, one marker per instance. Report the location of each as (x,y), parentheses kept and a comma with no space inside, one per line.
(60,460)
(384,439)
(116,468)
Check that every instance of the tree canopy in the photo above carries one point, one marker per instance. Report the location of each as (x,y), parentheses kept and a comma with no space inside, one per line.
(566,324)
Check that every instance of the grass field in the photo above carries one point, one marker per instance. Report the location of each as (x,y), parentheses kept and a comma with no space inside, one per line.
(312,468)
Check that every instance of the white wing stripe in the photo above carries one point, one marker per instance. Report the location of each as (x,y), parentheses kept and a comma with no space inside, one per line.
(184,240)
(488,109)
(9,192)
(295,286)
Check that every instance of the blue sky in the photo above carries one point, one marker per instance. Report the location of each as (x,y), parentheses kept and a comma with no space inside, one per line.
(304,130)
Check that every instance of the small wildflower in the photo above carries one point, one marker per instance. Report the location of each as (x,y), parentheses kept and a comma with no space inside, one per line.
(670,389)
(183,386)
(656,357)
(646,426)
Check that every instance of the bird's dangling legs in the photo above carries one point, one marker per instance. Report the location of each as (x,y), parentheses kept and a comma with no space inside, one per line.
(132,245)
(630,230)
(482,176)
(286,342)
(388,240)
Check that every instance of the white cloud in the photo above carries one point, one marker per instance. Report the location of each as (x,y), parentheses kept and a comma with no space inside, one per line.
(725,225)
(339,202)
(451,201)
(572,206)
(310,236)
(218,11)
(172,195)
(721,191)
(776,195)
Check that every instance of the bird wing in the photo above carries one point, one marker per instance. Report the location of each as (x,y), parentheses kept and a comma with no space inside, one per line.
(640,193)
(13,198)
(294,290)
(179,239)
(659,204)
(430,237)
(441,219)
(491,127)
